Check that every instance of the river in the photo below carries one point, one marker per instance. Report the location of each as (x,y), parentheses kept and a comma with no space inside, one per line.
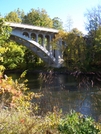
(63,91)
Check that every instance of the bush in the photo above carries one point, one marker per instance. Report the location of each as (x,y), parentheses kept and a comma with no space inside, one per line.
(76,123)
(18,115)
(13,94)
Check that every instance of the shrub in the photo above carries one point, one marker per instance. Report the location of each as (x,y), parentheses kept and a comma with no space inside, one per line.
(76,123)
(14,94)
(18,113)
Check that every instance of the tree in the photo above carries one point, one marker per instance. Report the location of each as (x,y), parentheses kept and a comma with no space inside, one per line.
(93,20)
(4,35)
(93,25)
(15,16)
(60,36)
(96,50)
(20,14)
(74,53)
(38,18)
(74,50)
(69,23)
(13,56)
(57,23)
(12,17)
(4,31)
(76,32)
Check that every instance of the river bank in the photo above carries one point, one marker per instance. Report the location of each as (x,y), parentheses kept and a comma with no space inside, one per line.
(93,77)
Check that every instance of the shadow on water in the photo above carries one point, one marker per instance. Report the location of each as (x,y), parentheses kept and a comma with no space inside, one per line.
(63,91)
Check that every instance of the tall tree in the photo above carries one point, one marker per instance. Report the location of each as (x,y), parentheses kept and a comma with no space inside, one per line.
(93,25)
(93,21)
(76,32)
(12,17)
(20,14)
(4,35)
(69,23)
(57,23)
(13,56)
(4,31)
(38,18)
(74,52)
(15,16)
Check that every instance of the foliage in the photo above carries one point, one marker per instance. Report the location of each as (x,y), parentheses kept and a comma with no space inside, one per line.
(76,32)
(61,36)
(12,93)
(4,35)
(93,50)
(12,17)
(13,56)
(20,14)
(96,50)
(18,113)
(93,26)
(74,53)
(69,23)
(38,18)
(93,20)
(15,16)
(31,60)
(76,123)
(80,53)
(4,31)
(14,122)
(57,23)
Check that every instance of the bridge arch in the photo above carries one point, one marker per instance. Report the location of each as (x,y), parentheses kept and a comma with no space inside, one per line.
(26,34)
(36,48)
(33,36)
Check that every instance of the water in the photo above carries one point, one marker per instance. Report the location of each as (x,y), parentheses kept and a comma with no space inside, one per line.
(61,90)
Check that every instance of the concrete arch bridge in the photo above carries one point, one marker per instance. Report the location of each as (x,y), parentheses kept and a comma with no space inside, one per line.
(38,40)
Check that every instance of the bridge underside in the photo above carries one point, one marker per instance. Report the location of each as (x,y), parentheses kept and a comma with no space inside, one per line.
(39,50)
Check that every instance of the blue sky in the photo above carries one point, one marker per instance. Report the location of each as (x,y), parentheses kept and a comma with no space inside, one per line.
(55,8)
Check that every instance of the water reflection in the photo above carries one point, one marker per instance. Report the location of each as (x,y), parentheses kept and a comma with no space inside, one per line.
(62,90)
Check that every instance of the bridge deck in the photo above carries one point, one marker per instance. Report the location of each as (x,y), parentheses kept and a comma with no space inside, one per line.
(31,27)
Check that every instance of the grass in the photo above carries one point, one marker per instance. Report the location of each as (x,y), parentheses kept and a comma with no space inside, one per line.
(20,122)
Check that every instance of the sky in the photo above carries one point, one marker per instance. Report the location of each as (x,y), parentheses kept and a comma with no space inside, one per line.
(75,9)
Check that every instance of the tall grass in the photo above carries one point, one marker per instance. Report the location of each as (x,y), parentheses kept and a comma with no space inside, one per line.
(18,114)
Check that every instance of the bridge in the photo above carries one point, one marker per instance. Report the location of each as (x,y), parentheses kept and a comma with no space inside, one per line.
(38,40)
